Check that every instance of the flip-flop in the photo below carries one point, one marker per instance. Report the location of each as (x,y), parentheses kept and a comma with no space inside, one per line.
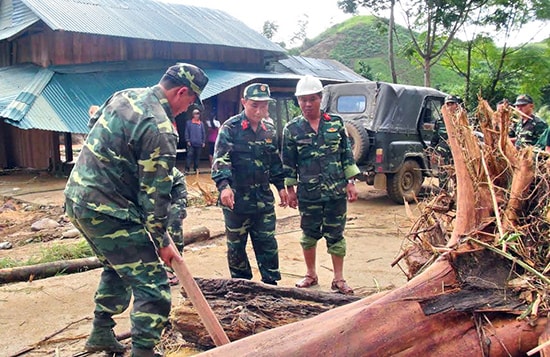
(307,281)
(172,279)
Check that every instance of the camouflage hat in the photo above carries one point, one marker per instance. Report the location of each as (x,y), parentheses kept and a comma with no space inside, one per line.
(452,99)
(190,76)
(523,99)
(258,92)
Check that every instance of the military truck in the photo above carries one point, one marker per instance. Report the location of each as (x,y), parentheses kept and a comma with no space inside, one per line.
(390,127)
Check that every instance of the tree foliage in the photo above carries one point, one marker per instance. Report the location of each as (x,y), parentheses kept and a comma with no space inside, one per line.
(269,29)
(431,24)
(499,71)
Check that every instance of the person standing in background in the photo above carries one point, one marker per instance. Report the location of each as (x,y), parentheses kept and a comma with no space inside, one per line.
(118,197)
(246,162)
(195,138)
(317,157)
(213,129)
(440,143)
(529,128)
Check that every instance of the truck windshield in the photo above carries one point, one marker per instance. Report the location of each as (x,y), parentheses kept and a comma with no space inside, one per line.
(351,104)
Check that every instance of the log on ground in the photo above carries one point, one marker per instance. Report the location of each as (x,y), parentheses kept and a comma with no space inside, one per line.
(395,325)
(245,308)
(45,270)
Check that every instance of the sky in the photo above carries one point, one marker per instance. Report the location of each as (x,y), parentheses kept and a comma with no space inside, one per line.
(321,14)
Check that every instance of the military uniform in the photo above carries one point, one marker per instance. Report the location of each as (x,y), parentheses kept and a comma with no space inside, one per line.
(440,143)
(528,132)
(119,195)
(248,162)
(178,209)
(320,164)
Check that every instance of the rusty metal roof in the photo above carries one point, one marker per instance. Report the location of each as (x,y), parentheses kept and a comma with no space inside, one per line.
(141,19)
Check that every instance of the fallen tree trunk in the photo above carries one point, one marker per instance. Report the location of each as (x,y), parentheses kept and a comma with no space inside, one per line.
(45,270)
(244,308)
(196,234)
(39,271)
(392,325)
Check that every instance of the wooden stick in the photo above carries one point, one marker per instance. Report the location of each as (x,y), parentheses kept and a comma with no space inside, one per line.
(198,300)
(538,348)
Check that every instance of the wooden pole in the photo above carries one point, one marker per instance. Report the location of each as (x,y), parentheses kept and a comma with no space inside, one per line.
(206,314)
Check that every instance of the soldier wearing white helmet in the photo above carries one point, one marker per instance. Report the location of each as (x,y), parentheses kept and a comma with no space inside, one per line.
(318,158)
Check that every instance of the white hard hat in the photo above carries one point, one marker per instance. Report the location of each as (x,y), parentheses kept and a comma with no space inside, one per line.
(308,85)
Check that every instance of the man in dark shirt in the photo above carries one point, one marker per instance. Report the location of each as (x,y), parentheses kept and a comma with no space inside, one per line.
(246,162)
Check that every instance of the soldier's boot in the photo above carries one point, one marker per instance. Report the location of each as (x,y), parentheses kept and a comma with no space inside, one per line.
(102,337)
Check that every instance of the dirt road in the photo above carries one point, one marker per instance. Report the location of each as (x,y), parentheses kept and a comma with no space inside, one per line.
(31,311)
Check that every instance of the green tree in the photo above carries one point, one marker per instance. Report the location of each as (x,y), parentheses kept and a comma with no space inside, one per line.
(351,6)
(269,29)
(504,67)
(431,24)
(301,34)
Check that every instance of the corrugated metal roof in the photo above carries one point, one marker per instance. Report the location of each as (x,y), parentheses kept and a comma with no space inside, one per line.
(14,17)
(322,68)
(151,20)
(62,105)
(14,80)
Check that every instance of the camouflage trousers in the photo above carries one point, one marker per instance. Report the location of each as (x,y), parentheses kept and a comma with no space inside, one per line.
(445,160)
(130,266)
(324,219)
(174,227)
(261,228)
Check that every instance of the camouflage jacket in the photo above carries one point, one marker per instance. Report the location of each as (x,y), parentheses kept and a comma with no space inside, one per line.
(440,136)
(318,162)
(528,132)
(125,169)
(248,162)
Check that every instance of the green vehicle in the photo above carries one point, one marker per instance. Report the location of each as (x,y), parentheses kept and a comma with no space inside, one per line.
(390,127)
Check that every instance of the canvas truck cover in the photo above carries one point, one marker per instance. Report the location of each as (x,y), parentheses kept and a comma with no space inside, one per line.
(389,107)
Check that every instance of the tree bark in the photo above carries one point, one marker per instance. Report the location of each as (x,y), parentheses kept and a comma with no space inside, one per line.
(392,325)
(245,308)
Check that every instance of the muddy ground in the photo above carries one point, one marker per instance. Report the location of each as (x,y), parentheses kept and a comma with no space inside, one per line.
(59,308)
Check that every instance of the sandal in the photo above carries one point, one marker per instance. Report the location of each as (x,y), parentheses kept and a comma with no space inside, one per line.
(307,281)
(342,287)
(172,279)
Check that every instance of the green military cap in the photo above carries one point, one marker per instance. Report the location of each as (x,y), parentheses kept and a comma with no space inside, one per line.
(523,99)
(258,92)
(452,99)
(190,76)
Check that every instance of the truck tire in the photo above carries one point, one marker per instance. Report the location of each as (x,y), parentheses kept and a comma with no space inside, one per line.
(406,183)
(359,139)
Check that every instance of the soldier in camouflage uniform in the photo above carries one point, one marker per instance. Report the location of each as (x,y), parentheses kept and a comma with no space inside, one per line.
(176,215)
(118,196)
(440,142)
(318,158)
(246,161)
(529,128)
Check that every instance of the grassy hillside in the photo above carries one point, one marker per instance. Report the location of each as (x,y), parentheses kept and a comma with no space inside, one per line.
(363,39)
